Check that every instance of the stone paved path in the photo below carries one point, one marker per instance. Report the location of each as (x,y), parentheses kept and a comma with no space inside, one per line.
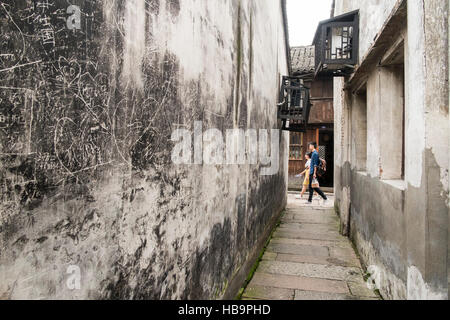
(308,259)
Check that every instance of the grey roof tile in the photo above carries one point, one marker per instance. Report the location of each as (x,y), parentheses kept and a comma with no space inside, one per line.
(303,59)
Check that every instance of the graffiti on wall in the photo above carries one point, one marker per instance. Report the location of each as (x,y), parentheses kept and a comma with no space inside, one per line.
(63,117)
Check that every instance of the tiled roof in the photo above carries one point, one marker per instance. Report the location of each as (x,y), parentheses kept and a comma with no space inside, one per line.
(303,59)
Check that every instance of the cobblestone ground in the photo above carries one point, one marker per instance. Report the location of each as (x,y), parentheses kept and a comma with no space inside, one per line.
(307,259)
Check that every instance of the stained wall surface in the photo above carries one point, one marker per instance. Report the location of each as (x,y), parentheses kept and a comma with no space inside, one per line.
(87,110)
(399,222)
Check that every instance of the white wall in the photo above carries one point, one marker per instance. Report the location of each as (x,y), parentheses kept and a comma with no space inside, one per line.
(137,225)
(422,211)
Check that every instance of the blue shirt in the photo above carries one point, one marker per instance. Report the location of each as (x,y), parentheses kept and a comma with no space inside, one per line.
(315,162)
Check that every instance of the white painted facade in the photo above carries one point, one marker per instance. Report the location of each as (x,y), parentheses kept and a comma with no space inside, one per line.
(405,230)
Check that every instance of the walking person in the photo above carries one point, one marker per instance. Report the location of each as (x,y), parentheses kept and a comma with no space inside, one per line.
(305,173)
(313,183)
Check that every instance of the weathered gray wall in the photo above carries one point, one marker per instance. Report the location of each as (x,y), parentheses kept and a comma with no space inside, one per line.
(448,199)
(400,226)
(87,115)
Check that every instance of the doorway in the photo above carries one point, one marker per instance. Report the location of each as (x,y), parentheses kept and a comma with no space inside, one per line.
(326,152)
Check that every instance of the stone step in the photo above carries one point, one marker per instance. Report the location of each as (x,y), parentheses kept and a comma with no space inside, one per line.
(299,283)
(344,243)
(321,271)
(268,293)
(318,260)
(307,259)
(307,227)
(314,251)
(307,235)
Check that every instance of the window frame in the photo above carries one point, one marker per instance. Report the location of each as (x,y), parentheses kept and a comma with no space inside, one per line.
(343,65)
(301,146)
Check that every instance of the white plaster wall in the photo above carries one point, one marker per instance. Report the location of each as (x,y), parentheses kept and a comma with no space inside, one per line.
(415,68)
(384,125)
(341,123)
(342,127)
(338,86)
(192,37)
(374,121)
(195,42)
(448,199)
(359,133)
(436,112)
(164,231)
(427,130)
(437,87)
(373,14)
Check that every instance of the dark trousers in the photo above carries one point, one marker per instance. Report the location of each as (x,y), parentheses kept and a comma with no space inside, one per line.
(311,189)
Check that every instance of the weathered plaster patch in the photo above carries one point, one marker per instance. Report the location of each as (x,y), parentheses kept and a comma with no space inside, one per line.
(437,86)
(389,285)
(418,289)
(345,210)
(134,43)
(173,6)
(415,69)
(374,216)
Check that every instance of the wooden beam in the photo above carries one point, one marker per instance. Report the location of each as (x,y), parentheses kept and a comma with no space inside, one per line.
(396,50)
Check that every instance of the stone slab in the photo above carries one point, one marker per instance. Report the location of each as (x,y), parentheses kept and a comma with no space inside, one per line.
(311,218)
(360,289)
(299,283)
(344,243)
(269,256)
(268,293)
(307,235)
(307,259)
(306,227)
(311,270)
(301,295)
(314,260)
(299,250)
(343,252)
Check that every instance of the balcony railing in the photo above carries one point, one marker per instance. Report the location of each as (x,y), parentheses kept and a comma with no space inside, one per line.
(294,106)
(337,45)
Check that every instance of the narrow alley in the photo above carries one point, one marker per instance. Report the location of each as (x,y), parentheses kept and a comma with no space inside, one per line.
(155,150)
(307,259)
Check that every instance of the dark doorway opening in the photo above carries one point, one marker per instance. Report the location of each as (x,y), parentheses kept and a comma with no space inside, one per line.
(326,151)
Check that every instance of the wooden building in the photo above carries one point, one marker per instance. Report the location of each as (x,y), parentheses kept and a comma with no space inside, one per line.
(321,120)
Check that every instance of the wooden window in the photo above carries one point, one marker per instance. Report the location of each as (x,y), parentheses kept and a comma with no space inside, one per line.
(336,44)
(296,146)
(295,105)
